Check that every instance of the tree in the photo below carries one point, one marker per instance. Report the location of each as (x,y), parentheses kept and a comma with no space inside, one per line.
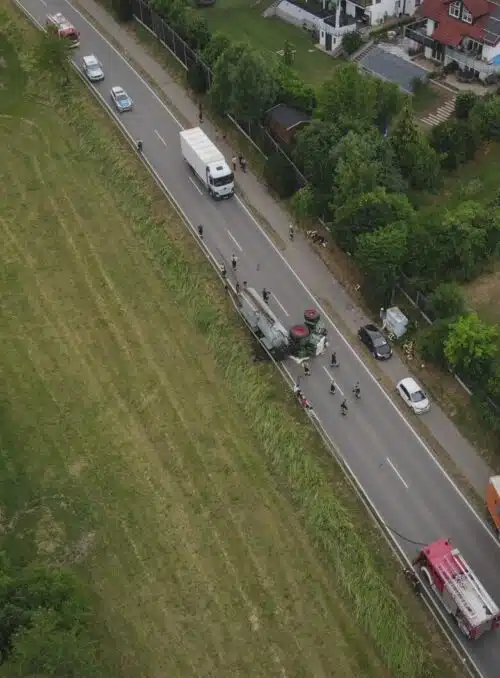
(389,102)
(314,153)
(280,175)
(368,212)
(455,141)
(304,202)
(471,347)
(293,91)
(215,48)
(469,251)
(243,83)
(288,53)
(380,255)
(347,94)
(52,54)
(464,103)
(351,42)
(418,162)
(365,161)
(197,77)
(431,341)
(447,301)
(486,117)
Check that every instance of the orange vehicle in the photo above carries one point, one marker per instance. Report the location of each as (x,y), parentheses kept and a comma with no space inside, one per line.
(493,501)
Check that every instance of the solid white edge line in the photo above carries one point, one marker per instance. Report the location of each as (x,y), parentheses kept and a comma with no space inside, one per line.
(372,377)
(397,472)
(303,285)
(430,603)
(234,240)
(126,62)
(160,137)
(333,380)
(196,185)
(306,289)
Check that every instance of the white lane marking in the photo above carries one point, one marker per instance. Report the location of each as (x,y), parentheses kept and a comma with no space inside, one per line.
(196,185)
(397,472)
(273,296)
(301,283)
(160,137)
(432,605)
(43,3)
(162,103)
(333,380)
(234,240)
(372,377)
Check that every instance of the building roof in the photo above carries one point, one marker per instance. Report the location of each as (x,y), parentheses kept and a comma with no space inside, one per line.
(485,26)
(382,64)
(287,117)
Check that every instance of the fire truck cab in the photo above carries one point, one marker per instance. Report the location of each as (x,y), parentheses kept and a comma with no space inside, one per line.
(455,584)
(64,28)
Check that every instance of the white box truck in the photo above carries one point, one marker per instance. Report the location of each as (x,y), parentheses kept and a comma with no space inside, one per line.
(207,162)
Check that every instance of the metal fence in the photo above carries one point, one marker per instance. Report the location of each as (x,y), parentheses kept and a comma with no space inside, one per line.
(256,133)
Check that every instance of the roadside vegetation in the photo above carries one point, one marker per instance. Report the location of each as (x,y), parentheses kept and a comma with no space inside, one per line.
(407,205)
(148,466)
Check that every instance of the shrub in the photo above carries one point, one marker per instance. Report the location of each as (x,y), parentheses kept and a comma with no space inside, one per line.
(280,175)
(431,341)
(123,10)
(464,104)
(447,301)
(351,42)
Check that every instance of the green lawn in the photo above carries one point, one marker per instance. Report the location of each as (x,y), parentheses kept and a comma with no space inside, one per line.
(242,20)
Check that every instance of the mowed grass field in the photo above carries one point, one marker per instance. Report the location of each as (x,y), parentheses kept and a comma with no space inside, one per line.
(241,20)
(140,445)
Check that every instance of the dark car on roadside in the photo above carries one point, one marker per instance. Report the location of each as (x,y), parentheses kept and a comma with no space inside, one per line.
(377,344)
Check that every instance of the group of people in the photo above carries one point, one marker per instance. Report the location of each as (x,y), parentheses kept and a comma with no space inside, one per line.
(356,390)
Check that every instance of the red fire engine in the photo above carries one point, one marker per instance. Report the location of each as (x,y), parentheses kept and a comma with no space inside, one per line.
(64,28)
(458,588)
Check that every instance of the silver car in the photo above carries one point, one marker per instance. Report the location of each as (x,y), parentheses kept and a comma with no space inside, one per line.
(413,395)
(92,68)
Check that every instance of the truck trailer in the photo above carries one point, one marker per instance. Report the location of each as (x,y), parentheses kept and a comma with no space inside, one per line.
(493,502)
(207,162)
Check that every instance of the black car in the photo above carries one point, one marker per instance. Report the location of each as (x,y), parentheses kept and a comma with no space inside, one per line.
(372,337)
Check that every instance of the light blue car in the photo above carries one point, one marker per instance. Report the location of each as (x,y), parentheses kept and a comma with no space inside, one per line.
(121,99)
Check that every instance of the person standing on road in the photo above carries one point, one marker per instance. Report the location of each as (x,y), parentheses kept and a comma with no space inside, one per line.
(235,162)
(243,163)
(307,370)
(200,231)
(245,285)
(265,295)
(200,113)
(356,390)
(333,362)
(223,271)
(139,145)
(343,408)
(333,388)
(291,232)
(234,261)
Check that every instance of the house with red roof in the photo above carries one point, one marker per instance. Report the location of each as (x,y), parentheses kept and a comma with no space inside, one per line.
(466,32)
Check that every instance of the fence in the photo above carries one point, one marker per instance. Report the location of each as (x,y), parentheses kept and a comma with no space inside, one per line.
(421,303)
(188,57)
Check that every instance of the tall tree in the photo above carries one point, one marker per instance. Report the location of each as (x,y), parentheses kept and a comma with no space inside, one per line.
(380,256)
(419,163)
(346,95)
(244,83)
(367,212)
(471,347)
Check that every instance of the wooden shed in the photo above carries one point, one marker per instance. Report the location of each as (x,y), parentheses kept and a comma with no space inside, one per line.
(285,122)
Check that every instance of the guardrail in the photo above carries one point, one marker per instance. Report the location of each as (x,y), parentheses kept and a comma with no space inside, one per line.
(429,600)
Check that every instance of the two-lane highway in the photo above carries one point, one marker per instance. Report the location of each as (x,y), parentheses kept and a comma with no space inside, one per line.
(398,472)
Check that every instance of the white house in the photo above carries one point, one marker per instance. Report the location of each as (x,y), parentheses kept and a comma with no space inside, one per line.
(332,20)
(467,33)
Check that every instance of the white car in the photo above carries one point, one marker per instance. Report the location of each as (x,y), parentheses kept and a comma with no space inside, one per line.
(92,68)
(413,395)
(121,99)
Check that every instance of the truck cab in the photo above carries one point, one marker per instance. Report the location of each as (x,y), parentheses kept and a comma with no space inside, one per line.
(220,179)
(493,502)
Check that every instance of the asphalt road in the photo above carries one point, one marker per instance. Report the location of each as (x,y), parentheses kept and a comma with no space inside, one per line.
(395,467)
